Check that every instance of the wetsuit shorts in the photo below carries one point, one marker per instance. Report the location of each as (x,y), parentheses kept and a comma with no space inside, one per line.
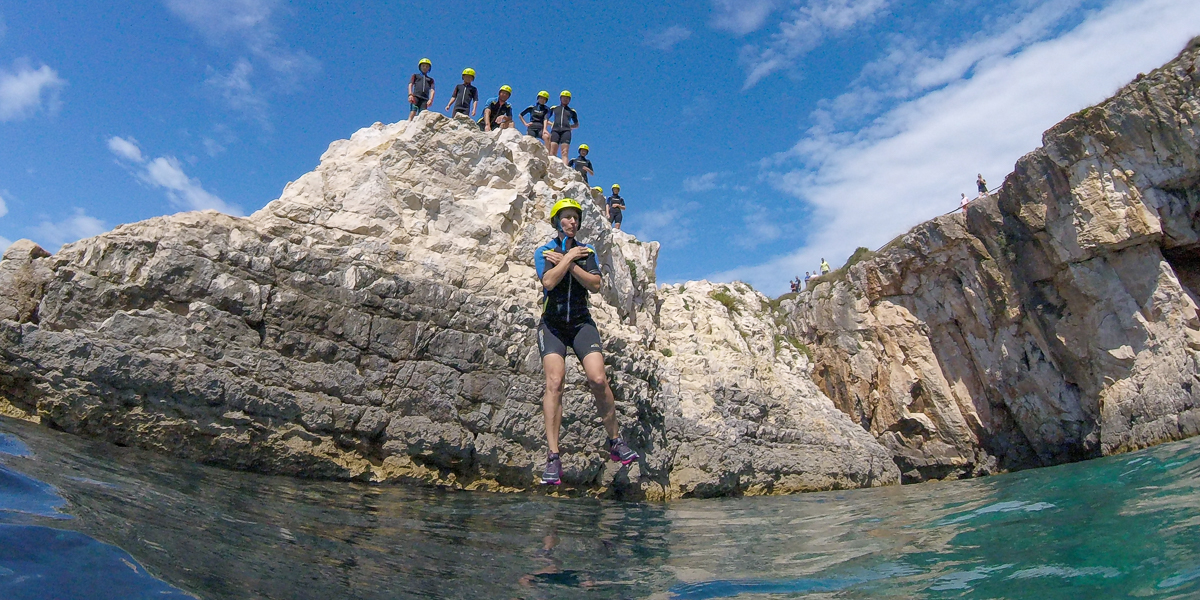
(560,137)
(419,105)
(583,338)
(534,131)
(615,216)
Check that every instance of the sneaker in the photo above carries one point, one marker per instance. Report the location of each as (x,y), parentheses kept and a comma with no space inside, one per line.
(619,451)
(553,473)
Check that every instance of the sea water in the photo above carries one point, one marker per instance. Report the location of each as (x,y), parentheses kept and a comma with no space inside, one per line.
(80,519)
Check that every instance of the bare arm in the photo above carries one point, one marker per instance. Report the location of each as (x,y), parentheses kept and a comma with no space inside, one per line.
(487,119)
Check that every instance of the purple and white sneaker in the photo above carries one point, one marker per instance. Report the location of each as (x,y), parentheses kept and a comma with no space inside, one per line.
(619,451)
(553,473)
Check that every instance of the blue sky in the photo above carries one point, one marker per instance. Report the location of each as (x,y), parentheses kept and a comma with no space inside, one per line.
(750,137)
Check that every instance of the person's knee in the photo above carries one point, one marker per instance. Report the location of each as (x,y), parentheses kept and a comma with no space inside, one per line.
(598,381)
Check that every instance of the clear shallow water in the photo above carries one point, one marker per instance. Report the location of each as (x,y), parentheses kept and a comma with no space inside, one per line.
(75,514)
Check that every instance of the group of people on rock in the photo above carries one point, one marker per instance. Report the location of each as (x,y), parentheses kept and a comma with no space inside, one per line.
(567,270)
(798,285)
(551,124)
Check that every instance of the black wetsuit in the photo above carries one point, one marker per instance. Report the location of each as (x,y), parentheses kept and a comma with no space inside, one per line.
(566,320)
(562,118)
(537,118)
(464,95)
(614,212)
(580,163)
(498,109)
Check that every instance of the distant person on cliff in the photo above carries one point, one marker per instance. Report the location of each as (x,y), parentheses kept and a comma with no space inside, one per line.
(466,97)
(981,184)
(537,116)
(568,272)
(563,120)
(824,267)
(581,163)
(420,88)
(795,285)
(807,276)
(616,206)
(962,203)
(497,113)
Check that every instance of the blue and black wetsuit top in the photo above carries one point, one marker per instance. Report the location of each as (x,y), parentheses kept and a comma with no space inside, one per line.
(498,109)
(567,304)
(421,84)
(537,114)
(464,95)
(562,118)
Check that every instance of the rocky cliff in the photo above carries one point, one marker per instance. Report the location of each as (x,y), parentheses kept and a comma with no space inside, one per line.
(1055,321)
(377,322)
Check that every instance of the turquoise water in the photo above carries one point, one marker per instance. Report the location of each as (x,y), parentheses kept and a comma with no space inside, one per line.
(75,514)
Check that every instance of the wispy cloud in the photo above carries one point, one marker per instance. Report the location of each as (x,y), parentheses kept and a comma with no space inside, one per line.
(24,90)
(806,26)
(670,225)
(3,207)
(701,183)
(166,173)
(54,234)
(4,244)
(911,164)
(666,39)
(267,64)
(740,17)
(760,226)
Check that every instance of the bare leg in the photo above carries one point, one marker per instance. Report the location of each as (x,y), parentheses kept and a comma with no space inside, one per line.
(606,406)
(412,114)
(553,149)
(556,369)
(616,225)
(565,149)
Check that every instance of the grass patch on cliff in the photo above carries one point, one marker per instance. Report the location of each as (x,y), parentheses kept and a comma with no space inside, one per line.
(632,269)
(777,301)
(728,301)
(667,352)
(860,254)
(800,347)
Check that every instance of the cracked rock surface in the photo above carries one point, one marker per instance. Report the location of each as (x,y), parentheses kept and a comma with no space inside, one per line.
(377,322)
(1055,321)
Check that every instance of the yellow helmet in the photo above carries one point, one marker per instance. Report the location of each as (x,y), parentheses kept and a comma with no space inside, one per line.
(616,186)
(584,147)
(469,71)
(505,88)
(563,204)
(566,93)
(425,61)
(598,189)
(543,94)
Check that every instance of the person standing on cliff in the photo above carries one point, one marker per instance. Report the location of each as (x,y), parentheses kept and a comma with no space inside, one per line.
(563,120)
(962,203)
(824,267)
(981,184)
(581,163)
(466,98)
(616,206)
(420,88)
(568,272)
(537,116)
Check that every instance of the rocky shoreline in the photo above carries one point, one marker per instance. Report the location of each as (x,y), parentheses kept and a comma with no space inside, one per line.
(376,323)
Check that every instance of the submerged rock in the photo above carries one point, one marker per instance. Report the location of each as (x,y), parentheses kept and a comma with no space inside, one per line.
(1056,321)
(377,322)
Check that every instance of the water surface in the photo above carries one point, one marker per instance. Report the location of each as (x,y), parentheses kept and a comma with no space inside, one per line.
(74,512)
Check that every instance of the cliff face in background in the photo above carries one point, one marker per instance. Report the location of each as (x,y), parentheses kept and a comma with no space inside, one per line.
(1056,321)
(377,322)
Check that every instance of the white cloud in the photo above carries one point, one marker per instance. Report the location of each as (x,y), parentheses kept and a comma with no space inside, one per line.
(76,227)
(761,226)
(25,90)
(670,227)
(666,39)
(212,147)
(806,27)
(701,183)
(248,26)
(740,17)
(4,244)
(166,172)
(125,148)
(867,187)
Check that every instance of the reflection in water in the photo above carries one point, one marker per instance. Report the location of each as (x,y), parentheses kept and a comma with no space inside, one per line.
(1120,526)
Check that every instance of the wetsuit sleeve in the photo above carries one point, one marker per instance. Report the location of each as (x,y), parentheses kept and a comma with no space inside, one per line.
(574,117)
(590,264)
(539,262)
(571,163)
(527,111)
